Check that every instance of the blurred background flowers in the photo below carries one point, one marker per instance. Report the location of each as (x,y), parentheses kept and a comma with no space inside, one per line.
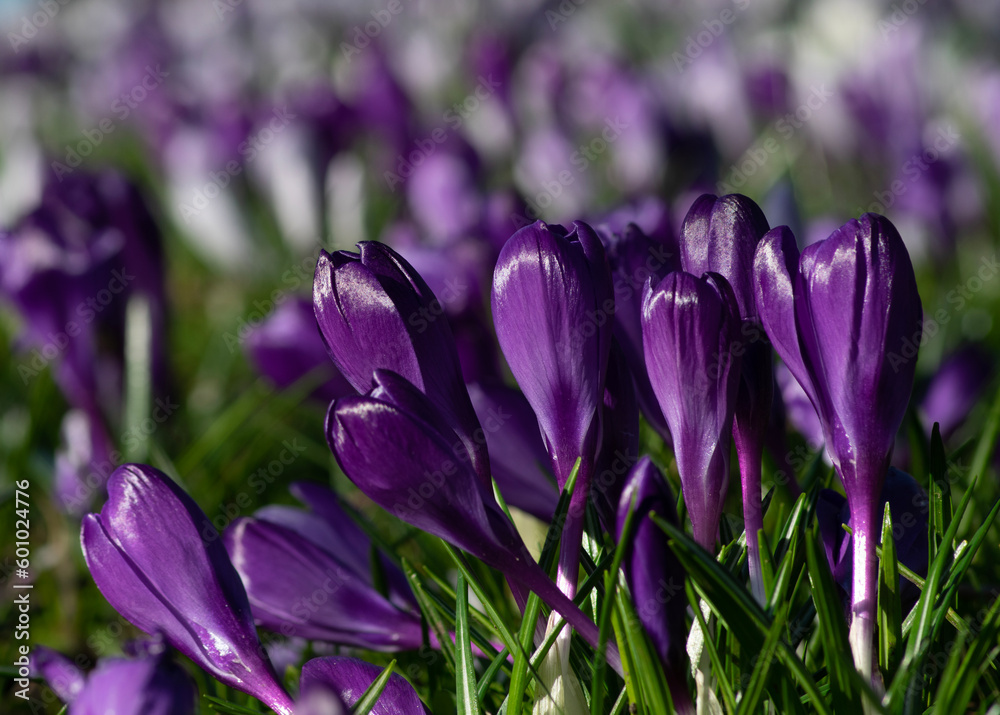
(169,171)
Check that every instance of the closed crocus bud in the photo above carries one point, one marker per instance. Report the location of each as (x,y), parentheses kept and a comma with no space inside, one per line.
(721,235)
(399,450)
(161,564)
(153,685)
(654,575)
(375,312)
(560,356)
(517,455)
(349,678)
(844,318)
(286,348)
(282,569)
(636,258)
(689,326)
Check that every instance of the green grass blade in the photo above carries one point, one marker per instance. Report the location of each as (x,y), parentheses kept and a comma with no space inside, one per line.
(890,610)
(370,697)
(466,695)
(753,697)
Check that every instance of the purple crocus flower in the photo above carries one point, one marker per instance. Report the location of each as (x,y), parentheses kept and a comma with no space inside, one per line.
(844,318)
(721,235)
(160,563)
(285,556)
(689,328)
(349,678)
(653,573)
(148,685)
(397,447)
(955,388)
(286,347)
(636,258)
(560,357)
(83,460)
(375,312)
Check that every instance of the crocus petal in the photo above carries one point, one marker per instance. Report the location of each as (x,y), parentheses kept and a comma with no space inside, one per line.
(560,278)
(375,311)
(349,678)
(689,329)
(58,672)
(148,686)
(955,388)
(518,458)
(635,258)
(160,563)
(654,574)
(392,452)
(286,348)
(721,235)
(284,573)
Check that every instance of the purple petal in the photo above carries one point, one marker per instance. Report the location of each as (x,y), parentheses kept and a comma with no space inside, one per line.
(518,458)
(721,235)
(654,574)
(148,686)
(350,678)
(286,347)
(955,388)
(160,563)
(393,453)
(298,589)
(620,442)
(375,312)
(559,357)
(58,671)
(689,328)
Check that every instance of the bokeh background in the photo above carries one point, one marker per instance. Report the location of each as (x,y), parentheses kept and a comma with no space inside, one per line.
(169,170)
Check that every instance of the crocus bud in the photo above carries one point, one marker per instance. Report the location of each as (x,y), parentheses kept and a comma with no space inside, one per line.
(286,347)
(654,575)
(955,388)
(636,258)
(58,672)
(397,448)
(283,569)
(153,685)
(349,678)
(721,235)
(844,318)
(553,307)
(560,357)
(375,312)
(160,563)
(689,327)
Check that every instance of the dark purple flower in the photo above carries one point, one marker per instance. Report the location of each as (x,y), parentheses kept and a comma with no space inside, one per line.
(955,388)
(154,685)
(721,235)
(559,356)
(349,678)
(517,455)
(287,347)
(375,312)
(160,563)
(636,258)
(83,460)
(148,685)
(655,576)
(398,449)
(689,326)
(843,318)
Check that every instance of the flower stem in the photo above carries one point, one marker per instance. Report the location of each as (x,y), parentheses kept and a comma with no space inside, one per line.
(753,515)
(863,588)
